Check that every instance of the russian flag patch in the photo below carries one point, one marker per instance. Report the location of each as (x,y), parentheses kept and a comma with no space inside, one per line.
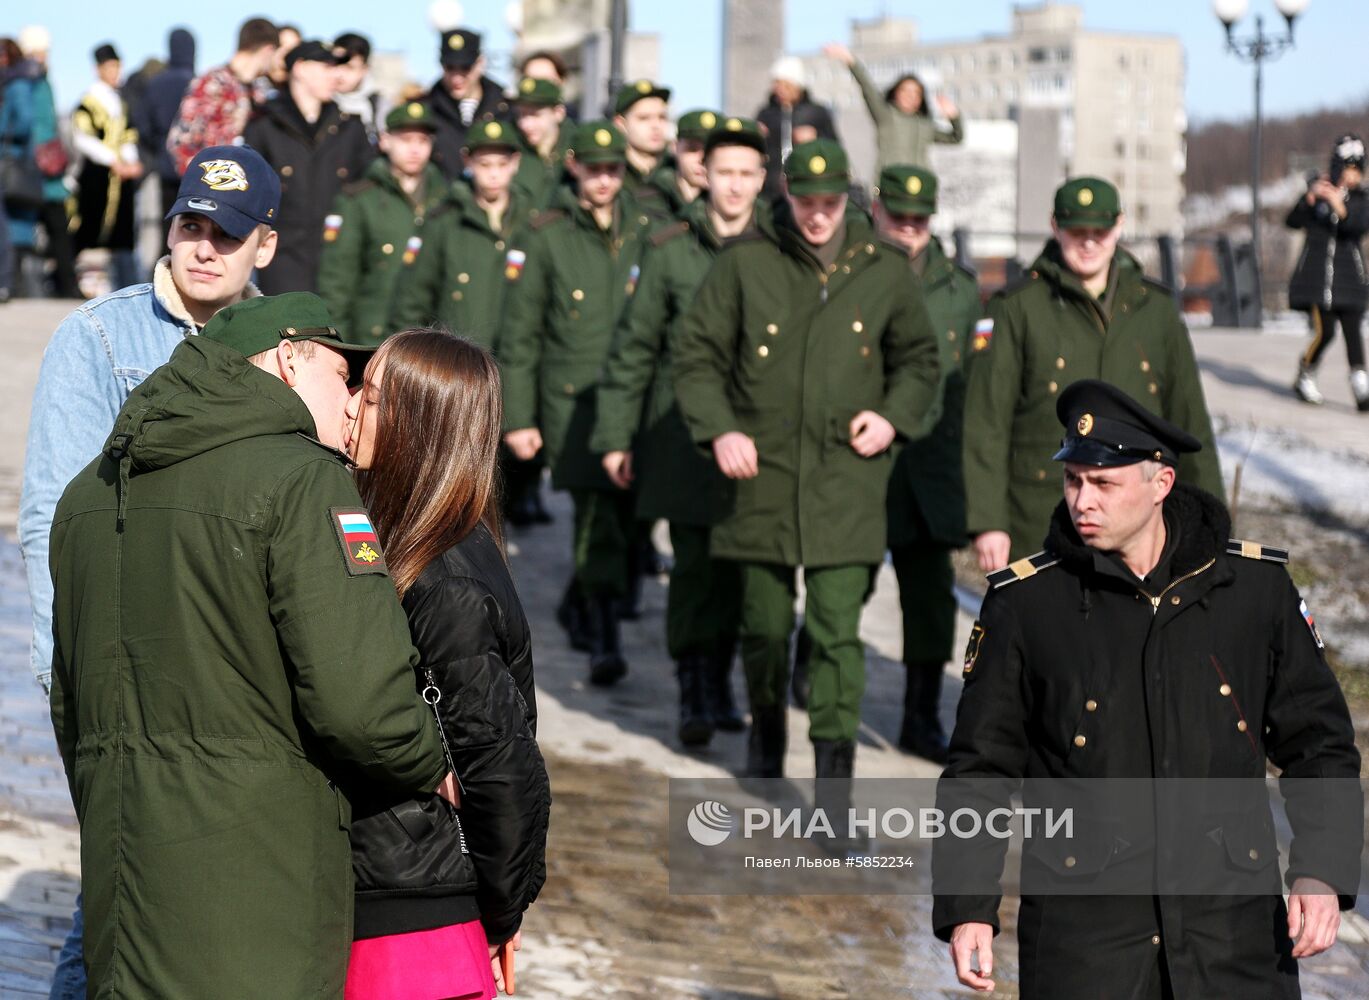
(983,333)
(360,544)
(1311,623)
(513,264)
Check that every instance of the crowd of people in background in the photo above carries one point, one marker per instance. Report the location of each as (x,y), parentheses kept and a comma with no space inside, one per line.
(696,317)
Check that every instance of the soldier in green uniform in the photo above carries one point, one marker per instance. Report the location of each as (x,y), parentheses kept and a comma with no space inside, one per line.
(803,356)
(673,479)
(458,281)
(375,232)
(540,111)
(683,177)
(926,502)
(640,111)
(1085,310)
(564,297)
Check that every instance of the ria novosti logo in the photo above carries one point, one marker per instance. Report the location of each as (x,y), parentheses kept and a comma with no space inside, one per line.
(709,823)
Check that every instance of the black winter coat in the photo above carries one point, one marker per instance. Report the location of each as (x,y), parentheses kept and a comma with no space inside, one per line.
(1330,272)
(778,122)
(154,115)
(314,162)
(420,864)
(1075,672)
(451,130)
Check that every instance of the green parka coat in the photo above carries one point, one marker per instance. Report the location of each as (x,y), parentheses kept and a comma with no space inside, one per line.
(788,353)
(1047,332)
(375,233)
(460,277)
(927,487)
(560,311)
(222,668)
(637,408)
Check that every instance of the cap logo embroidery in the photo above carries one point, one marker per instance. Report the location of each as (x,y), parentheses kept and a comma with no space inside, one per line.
(708,119)
(817,165)
(527,86)
(603,137)
(643,86)
(224,175)
(914,185)
(202,204)
(415,110)
(1086,196)
(456,42)
(493,130)
(1086,424)
(734,124)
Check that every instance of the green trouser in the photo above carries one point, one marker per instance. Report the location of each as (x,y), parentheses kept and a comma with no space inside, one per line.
(604,530)
(702,603)
(836,671)
(926,593)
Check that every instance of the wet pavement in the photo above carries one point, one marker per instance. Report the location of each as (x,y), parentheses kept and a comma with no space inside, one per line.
(606,923)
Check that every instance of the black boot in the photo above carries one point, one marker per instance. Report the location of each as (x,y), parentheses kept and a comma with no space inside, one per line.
(573,615)
(724,708)
(921,733)
(834,764)
(630,606)
(798,680)
(540,514)
(696,719)
(766,743)
(606,663)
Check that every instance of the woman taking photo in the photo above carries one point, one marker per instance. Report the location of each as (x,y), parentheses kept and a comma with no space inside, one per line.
(441,892)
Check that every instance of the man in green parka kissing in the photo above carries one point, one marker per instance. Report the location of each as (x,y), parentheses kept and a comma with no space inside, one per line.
(229,655)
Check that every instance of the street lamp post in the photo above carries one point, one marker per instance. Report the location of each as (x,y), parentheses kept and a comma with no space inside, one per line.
(1256,49)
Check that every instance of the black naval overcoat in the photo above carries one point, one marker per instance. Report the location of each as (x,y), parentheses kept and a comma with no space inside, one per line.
(1075,671)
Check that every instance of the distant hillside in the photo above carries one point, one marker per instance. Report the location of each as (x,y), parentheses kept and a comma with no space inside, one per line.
(1219,152)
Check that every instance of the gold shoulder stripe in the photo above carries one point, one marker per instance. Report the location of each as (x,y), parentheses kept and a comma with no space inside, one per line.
(1254,550)
(1022,569)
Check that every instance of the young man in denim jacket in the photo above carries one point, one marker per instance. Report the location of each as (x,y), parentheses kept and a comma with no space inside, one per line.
(222,228)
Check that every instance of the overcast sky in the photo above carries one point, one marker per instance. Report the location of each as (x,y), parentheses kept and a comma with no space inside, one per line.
(1320,71)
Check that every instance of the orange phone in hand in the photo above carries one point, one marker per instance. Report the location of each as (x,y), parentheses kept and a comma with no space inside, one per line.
(506,966)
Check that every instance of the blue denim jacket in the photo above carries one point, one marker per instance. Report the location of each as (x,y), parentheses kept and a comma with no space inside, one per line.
(99,354)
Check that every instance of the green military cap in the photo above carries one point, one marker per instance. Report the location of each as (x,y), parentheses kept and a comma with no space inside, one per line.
(908,190)
(414,114)
(1087,201)
(697,124)
(734,131)
(538,92)
(255,325)
(491,134)
(817,167)
(598,142)
(630,93)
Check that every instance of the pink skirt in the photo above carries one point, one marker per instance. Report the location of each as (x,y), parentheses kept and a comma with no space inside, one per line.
(449,962)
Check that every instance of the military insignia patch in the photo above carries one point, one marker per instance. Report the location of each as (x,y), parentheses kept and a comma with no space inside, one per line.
(411,249)
(734,125)
(528,85)
(817,165)
(360,545)
(456,42)
(224,175)
(603,137)
(632,277)
(415,110)
(331,225)
(1086,196)
(983,334)
(1085,425)
(1311,623)
(972,647)
(513,264)
(493,130)
(914,185)
(643,86)
(708,119)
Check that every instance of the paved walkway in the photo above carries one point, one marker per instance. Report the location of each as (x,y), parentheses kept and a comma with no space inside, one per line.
(606,924)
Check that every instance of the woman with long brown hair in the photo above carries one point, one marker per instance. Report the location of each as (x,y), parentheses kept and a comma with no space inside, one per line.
(441,892)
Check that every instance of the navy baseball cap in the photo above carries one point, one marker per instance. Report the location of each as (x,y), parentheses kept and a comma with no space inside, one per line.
(233,186)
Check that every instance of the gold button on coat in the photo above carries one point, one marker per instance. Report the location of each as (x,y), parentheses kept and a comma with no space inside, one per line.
(1080,740)
(950,335)
(463,278)
(342,171)
(771,329)
(1059,362)
(1090,705)
(287,170)
(1241,726)
(1175,599)
(456,296)
(858,326)
(1145,366)
(499,244)
(1155,939)
(570,389)
(763,351)
(388,248)
(1053,388)
(577,295)
(1070,862)
(1154,389)
(865,351)
(1225,689)
(1254,854)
